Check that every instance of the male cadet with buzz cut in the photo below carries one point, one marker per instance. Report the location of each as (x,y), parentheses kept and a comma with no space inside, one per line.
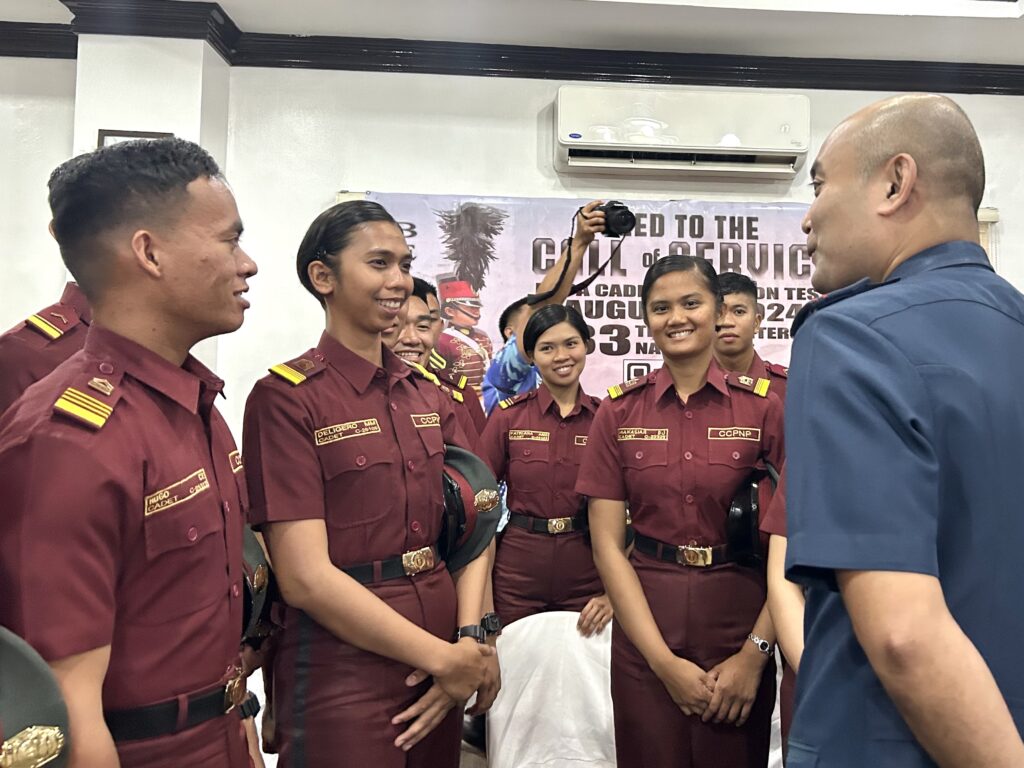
(741,320)
(904,438)
(41,342)
(121,532)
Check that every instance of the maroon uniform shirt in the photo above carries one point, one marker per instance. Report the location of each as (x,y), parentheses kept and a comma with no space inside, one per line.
(537,452)
(41,342)
(679,466)
(331,436)
(777,374)
(122,526)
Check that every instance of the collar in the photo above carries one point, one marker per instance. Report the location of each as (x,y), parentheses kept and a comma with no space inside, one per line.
(546,401)
(757,369)
(957,253)
(715,378)
(358,371)
(75,299)
(184,384)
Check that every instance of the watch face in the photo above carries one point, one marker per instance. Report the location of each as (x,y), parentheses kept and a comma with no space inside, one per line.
(491,622)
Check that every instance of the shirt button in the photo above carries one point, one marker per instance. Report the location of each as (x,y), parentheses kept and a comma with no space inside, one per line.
(639,454)
(394,407)
(736,455)
(235,591)
(360,461)
(411,465)
(562,425)
(687,455)
(192,534)
(415,526)
(106,368)
(689,414)
(227,508)
(527,451)
(689,498)
(380,373)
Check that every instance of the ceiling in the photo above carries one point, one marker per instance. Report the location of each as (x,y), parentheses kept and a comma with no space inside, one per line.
(982,31)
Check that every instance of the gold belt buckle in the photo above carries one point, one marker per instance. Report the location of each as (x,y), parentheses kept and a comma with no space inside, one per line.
(696,557)
(418,561)
(235,691)
(560,525)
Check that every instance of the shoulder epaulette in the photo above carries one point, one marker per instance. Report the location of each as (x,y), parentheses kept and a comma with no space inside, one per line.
(54,321)
(861,286)
(298,370)
(423,373)
(522,397)
(778,370)
(92,401)
(759,387)
(630,386)
(437,360)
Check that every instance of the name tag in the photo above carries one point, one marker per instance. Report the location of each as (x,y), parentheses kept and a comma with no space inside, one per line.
(183,490)
(336,432)
(235,460)
(641,433)
(424,420)
(529,434)
(734,433)
(580,440)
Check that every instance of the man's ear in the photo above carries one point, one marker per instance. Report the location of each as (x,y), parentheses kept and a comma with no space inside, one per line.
(900,179)
(146,253)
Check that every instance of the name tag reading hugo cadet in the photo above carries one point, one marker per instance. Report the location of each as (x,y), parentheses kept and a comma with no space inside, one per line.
(172,495)
(641,433)
(735,433)
(336,432)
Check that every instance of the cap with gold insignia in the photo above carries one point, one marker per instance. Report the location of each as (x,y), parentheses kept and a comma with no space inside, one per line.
(33,716)
(471,508)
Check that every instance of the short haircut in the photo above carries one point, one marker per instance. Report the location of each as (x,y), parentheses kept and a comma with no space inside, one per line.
(138,183)
(734,282)
(506,316)
(546,318)
(330,233)
(668,264)
(421,289)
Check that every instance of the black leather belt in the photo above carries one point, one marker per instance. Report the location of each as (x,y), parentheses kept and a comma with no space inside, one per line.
(552,525)
(407,564)
(687,554)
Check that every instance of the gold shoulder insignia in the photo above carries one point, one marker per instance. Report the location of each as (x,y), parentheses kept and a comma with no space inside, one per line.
(629,386)
(779,370)
(423,373)
(298,370)
(86,408)
(437,360)
(54,321)
(759,387)
(516,399)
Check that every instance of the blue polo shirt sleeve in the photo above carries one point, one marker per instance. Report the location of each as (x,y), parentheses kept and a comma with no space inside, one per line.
(863,473)
(508,374)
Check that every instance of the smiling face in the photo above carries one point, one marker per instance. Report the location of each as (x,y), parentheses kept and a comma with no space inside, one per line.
(372,280)
(436,324)
(416,337)
(681,314)
(738,325)
(560,355)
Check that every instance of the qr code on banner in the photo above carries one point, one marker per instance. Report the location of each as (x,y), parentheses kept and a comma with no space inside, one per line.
(634,369)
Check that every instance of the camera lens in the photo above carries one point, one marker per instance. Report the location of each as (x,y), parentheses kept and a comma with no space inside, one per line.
(618,219)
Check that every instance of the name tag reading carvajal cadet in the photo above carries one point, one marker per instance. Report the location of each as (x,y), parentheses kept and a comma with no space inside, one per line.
(529,434)
(641,433)
(183,490)
(336,432)
(734,433)
(424,420)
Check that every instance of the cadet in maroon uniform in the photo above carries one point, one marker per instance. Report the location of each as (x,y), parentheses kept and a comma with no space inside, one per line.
(693,683)
(737,328)
(33,348)
(344,451)
(121,538)
(534,443)
(786,601)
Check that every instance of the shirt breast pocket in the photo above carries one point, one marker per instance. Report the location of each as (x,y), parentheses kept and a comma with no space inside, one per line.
(527,465)
(359,475)
(741,454)
(433,440)
(640,455)
(184,549)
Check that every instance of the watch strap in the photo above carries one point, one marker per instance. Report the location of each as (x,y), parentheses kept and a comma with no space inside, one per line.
(761,644)
(472,630)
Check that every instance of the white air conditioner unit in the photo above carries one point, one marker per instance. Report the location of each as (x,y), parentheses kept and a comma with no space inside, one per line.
(646,131)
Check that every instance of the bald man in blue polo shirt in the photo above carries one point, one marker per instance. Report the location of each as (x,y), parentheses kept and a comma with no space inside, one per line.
(905,426)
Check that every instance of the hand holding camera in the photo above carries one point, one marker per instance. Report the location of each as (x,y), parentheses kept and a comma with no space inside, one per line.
(613,219)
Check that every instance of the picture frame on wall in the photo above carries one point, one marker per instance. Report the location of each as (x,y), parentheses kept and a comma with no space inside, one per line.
(108,136)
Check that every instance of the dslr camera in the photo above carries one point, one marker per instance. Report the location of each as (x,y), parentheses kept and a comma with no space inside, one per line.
(618,219)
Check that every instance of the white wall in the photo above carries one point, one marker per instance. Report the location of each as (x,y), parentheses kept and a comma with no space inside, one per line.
(297,137)
(37,113)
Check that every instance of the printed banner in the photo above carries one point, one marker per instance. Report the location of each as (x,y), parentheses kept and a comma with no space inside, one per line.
(497,249)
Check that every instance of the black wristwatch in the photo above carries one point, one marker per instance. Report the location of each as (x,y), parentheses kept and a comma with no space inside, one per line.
(491,623)
(250,708)
(471,630)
